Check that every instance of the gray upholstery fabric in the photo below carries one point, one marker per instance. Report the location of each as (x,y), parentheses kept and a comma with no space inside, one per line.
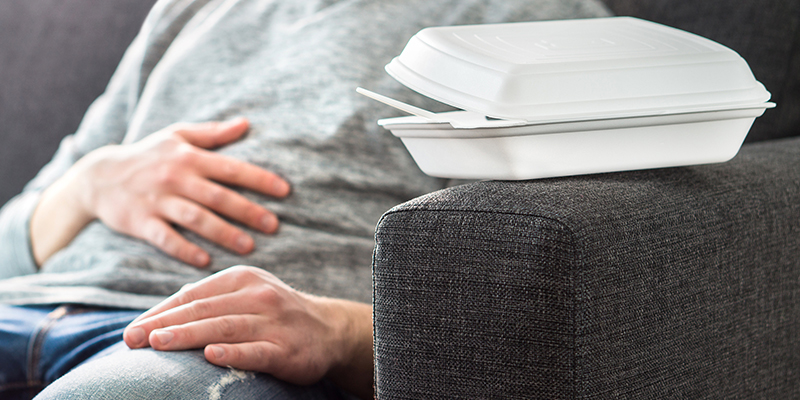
(673,283)
(765,33)
(56,57)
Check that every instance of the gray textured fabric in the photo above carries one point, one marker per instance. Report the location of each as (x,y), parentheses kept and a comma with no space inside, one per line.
(765,33)
(674,283)
(291,67)
(56,57)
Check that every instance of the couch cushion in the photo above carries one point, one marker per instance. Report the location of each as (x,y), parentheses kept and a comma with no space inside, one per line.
(765,33)
(56,57)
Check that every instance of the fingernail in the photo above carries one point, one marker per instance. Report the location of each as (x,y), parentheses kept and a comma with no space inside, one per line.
(236,121)
(136,335)
(219,352)
(244,243)
(280,188)
(164,337)
(269,223)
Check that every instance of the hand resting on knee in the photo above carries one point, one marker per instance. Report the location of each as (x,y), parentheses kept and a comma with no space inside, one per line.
(246,318)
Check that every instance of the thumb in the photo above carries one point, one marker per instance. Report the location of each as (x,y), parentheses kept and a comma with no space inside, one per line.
(209,135)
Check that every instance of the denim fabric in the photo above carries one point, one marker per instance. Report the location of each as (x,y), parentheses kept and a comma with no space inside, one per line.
(39,344)
(150,374)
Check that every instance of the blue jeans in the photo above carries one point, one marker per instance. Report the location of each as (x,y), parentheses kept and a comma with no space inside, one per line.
(40,344)
(85,346)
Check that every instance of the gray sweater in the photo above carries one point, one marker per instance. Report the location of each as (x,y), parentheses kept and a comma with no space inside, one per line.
(291,67)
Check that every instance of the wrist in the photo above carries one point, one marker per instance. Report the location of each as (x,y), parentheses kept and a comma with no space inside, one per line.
(58,217)
(353,369)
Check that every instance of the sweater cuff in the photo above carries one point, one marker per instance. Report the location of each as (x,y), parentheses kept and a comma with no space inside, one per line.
(15,240)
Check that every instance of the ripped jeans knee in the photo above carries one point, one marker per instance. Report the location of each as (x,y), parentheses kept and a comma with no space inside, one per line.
(151,374)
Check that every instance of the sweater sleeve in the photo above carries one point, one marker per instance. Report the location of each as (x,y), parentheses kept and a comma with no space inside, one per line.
(15,249)
(105,123)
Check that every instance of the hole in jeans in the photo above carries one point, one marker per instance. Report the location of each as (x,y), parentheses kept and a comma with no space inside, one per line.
(233,376)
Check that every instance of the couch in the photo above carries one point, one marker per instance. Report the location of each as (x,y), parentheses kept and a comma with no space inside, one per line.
(679,283)
(672,283)
(56,57)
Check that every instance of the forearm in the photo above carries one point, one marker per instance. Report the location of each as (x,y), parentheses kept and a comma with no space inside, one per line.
(57,218)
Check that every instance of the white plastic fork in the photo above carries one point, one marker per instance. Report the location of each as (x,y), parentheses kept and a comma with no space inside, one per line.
(408,108)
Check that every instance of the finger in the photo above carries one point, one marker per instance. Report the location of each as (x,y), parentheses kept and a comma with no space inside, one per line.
(197,310)
(138,333)
(229,203)
(197,334)
(251,356)
(163,237)
(223,282)
(205,223)
(213,134)
(235,172)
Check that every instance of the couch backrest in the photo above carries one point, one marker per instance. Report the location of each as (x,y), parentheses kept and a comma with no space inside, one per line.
(765,33)
(56,57)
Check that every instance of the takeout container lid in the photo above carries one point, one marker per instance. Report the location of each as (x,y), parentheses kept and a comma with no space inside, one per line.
(573,70)
(559,98)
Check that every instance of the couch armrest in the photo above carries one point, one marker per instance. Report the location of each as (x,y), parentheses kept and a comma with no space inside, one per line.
(673,283)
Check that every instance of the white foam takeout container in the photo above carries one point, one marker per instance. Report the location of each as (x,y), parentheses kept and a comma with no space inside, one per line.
(558,98)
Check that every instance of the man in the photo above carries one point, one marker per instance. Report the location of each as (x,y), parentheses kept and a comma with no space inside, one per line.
(135,207)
